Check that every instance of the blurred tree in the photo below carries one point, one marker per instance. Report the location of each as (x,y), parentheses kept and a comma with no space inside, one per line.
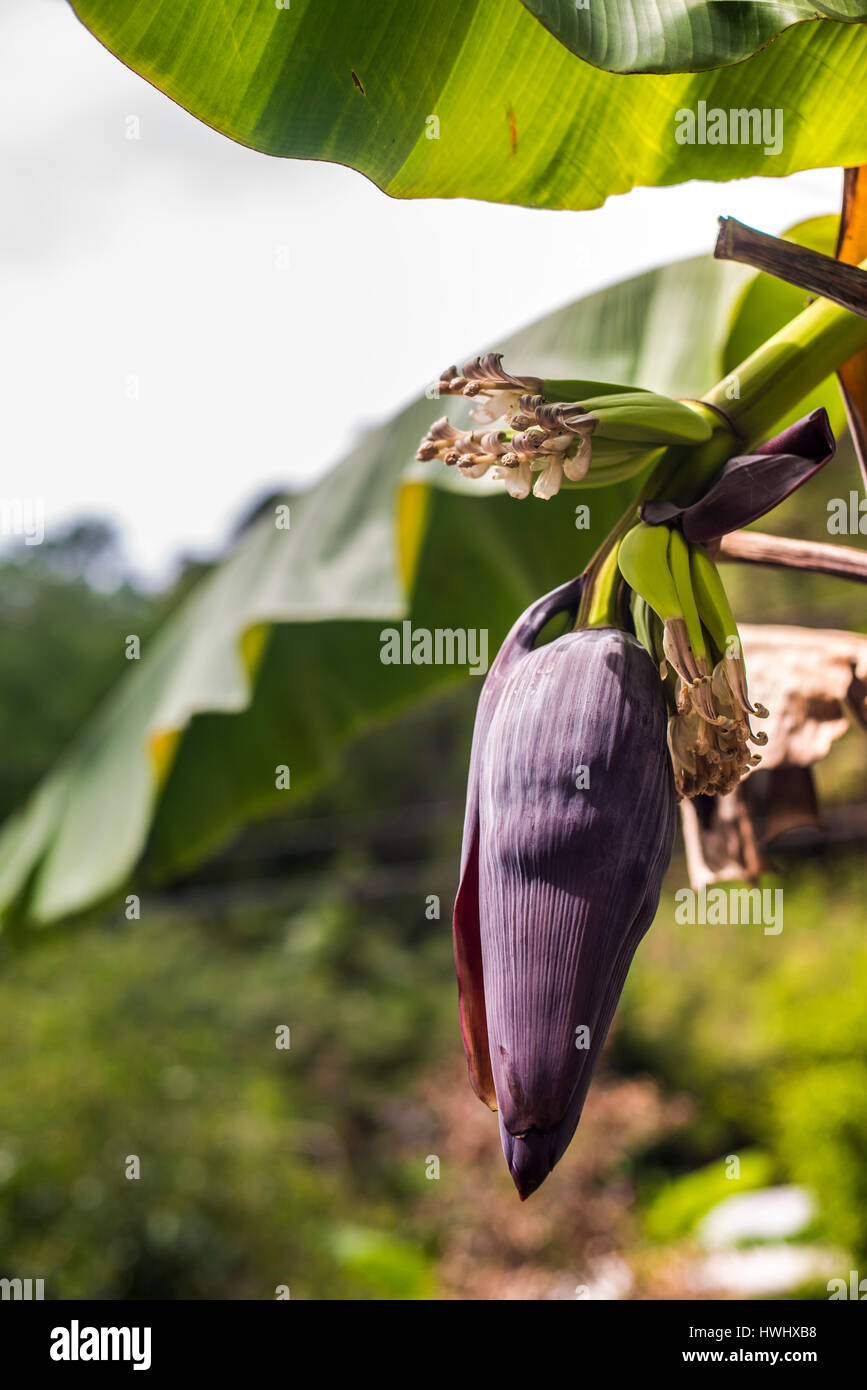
(68,605)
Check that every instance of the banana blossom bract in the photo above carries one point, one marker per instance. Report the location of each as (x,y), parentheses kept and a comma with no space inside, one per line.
(568,833)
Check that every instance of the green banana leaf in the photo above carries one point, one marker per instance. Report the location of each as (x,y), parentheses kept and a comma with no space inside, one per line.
(680,36)
(275,658)
(475,98)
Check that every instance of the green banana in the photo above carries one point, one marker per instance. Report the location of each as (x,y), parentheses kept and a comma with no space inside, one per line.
(679,564)
(678,601)
(716,613)
(626,467)
(615,450)
(645,416)
(719,620)
(654,561)
(650,633)
(641,621)
(603,600)
(644,564)
(577,390)
(612,400)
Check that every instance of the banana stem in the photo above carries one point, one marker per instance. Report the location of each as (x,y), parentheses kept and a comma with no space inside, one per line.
(759,392)
(752,398)
(788,366)
(604,606)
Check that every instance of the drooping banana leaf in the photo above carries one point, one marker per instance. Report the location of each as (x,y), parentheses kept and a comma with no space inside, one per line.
(275,658)
(678,35)
(476,98)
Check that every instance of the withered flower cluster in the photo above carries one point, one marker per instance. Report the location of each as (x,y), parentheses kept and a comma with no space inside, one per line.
(554,439)
(710,734)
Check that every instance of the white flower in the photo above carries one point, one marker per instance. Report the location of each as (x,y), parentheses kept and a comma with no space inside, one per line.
(518,480)
(548,482)
(494,406)
(576,468)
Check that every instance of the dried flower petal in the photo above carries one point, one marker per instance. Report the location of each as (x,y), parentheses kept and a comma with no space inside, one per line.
(548,482)
(577,466)
(517,476)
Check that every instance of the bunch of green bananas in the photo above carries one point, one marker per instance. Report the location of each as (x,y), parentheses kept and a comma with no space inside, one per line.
(683,617)
(628,426)
(679,581)
(631,416)
(573,433)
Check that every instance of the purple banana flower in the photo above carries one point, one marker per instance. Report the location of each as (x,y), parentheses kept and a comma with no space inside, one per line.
(568,833)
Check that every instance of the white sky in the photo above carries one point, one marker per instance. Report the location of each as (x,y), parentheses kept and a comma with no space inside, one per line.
(157,259)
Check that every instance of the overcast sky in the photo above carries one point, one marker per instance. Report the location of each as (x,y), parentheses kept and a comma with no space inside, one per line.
(162,298)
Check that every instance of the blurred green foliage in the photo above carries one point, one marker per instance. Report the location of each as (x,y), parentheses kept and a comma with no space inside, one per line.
(156,1039)
(62,641)
(676,1209)
(769,1033)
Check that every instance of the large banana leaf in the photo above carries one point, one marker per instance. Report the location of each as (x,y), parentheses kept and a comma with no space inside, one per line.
(275,658)
(677,35)
(475,98)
